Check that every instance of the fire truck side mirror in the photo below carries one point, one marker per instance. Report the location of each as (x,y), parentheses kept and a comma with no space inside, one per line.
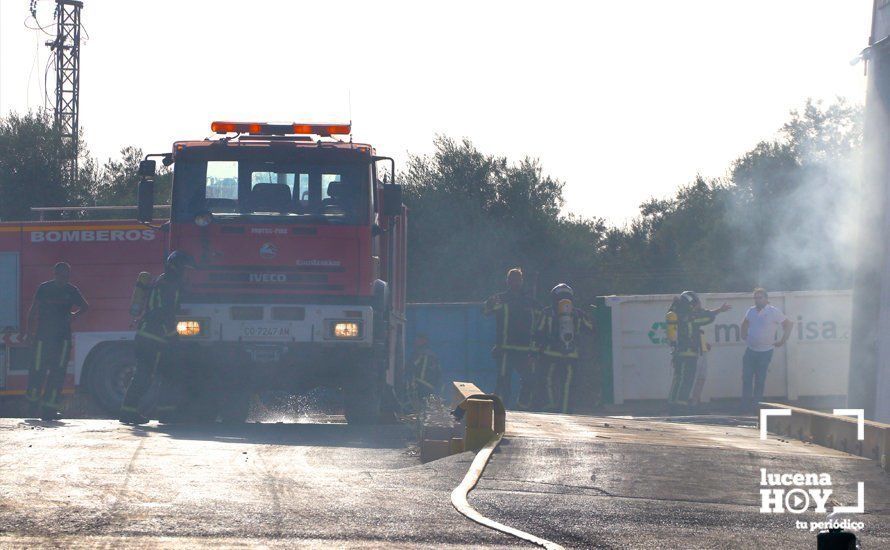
(392,199)
(145,200)
(147,168)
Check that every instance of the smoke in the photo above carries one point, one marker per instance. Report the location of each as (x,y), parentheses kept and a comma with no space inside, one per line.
(796,200)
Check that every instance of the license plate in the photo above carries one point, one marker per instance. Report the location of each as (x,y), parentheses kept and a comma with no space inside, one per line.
(266,332)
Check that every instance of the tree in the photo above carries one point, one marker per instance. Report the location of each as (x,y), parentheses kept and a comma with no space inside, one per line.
(31,154)
(795,196)
(472,217)
(118,180)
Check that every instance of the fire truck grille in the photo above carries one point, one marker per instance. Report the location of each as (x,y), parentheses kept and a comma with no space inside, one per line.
(270,286)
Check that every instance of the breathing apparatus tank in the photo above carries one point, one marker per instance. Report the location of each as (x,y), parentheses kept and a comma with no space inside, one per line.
(562,295)
(566,322)
(140,294)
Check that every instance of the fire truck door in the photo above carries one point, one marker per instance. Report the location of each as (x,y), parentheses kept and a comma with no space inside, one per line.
(9,305)
(9,290)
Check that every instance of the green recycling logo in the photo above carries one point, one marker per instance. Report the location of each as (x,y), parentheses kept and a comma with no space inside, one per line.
(658,334)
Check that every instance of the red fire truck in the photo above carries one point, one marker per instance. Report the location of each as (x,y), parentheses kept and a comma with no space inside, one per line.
(300,247)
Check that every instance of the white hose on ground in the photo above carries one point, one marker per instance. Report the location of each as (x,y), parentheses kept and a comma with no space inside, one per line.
(459,499)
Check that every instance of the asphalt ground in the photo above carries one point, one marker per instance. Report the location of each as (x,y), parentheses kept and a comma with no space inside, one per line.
(583,482)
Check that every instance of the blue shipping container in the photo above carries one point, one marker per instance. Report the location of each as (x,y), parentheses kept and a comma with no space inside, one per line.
(462,338)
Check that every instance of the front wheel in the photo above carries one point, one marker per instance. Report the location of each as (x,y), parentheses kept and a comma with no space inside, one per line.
(361,395)
(235,406)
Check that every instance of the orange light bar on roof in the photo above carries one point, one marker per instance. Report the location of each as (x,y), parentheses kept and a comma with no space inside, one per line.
(323,129)
(258,128)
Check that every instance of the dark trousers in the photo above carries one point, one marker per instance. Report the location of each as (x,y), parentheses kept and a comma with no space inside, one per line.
(558,378)
(47,374)
(153,359)
(755,365)
(509,361)
(685,367)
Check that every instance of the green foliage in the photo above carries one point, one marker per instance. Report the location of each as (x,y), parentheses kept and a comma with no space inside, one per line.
(31,152)
(782,218)
(473,216)
(118,180)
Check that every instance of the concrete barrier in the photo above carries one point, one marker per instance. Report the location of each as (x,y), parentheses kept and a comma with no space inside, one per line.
(833,431)
(482,417)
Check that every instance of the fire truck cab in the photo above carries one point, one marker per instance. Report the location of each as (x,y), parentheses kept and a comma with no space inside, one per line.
(299,249)
(299,242)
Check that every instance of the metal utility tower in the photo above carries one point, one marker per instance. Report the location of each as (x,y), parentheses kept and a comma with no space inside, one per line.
(66,48)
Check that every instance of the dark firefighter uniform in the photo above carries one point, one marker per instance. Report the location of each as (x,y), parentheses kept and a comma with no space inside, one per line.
(52,347)
(424,378)
(685,335)
(515,314)
(558,363)
(155,339)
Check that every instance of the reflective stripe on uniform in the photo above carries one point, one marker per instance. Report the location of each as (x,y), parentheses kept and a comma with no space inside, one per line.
(63,359)
(516,348)
(506,315)
(550,400)
(151,336)
(570,355)
(421,377)
(566,389)
(52,402)
(35,387)
(38,355)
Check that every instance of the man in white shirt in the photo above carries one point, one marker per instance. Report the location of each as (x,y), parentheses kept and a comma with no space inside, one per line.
(762,322)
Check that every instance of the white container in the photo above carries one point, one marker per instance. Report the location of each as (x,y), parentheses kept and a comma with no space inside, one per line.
(814,362)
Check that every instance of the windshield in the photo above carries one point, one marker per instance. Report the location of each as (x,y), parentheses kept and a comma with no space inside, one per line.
(273,190)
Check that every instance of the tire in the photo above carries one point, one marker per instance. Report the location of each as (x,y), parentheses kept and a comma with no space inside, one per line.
(110,373)
(203,409)
(235,407)
(361,395)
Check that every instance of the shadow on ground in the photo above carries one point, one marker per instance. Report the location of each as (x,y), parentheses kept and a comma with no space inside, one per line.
(394,436)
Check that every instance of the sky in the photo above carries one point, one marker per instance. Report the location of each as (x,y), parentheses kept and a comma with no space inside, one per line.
(620,100)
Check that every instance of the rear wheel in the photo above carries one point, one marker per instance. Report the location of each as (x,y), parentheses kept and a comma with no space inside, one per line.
(111,370)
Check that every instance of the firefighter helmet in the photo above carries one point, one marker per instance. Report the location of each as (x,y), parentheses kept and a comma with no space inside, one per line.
(689,297)
(178,260)
(562,290)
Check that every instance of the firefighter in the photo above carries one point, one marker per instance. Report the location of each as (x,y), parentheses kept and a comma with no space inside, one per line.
(49,328)
(155,340)
(515,313)
(560,333)
(425,374)
(701,372)
(684,319)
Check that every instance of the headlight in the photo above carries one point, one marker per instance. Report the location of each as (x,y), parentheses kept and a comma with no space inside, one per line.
(203,219)
(189,328)
(346,329)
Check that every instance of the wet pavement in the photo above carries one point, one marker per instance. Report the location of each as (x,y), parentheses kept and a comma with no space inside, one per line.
(585,482)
